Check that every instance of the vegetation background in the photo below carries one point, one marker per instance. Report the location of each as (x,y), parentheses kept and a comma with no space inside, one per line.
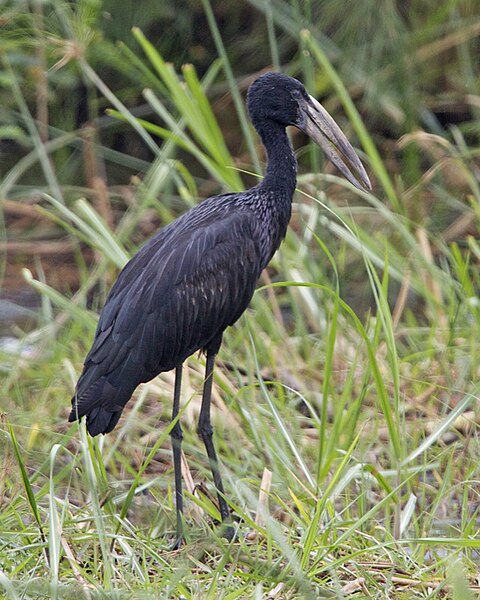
(346,401)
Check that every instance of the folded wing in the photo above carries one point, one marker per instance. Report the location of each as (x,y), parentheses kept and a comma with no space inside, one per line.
(173,298)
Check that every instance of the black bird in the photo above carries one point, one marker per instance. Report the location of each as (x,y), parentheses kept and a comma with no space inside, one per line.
(197,275)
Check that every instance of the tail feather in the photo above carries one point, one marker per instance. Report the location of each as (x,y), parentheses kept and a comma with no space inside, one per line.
(100,420)
(101,403)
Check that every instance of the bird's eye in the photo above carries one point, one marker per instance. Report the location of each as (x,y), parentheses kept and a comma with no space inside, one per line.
(299,94)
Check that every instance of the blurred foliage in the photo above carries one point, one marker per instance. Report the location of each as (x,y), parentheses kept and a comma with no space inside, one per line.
(42,40)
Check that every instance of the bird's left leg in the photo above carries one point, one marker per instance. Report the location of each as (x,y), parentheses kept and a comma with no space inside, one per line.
(205,430)
(177,436)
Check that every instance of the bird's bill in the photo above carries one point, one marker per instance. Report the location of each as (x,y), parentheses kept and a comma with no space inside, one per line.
(323,130)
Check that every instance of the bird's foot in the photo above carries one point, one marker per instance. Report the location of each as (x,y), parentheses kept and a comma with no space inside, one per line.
(229,532)
(178,541)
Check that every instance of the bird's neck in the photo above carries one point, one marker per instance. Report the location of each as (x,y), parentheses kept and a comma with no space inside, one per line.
(281,173)
(275,192)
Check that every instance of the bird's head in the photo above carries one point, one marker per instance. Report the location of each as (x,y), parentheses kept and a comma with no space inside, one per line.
(275,97)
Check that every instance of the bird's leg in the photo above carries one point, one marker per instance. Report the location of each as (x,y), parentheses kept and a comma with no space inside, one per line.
(176,435)
(205,430)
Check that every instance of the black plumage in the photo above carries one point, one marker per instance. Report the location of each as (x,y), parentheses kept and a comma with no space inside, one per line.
(197,275)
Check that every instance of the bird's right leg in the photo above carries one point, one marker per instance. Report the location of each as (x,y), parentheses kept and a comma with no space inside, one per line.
(176,435)
(205,431)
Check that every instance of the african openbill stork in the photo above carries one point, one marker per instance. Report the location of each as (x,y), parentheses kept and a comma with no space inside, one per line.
(197,275)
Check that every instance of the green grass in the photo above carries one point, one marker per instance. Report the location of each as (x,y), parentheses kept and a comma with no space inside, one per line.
(345,399)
